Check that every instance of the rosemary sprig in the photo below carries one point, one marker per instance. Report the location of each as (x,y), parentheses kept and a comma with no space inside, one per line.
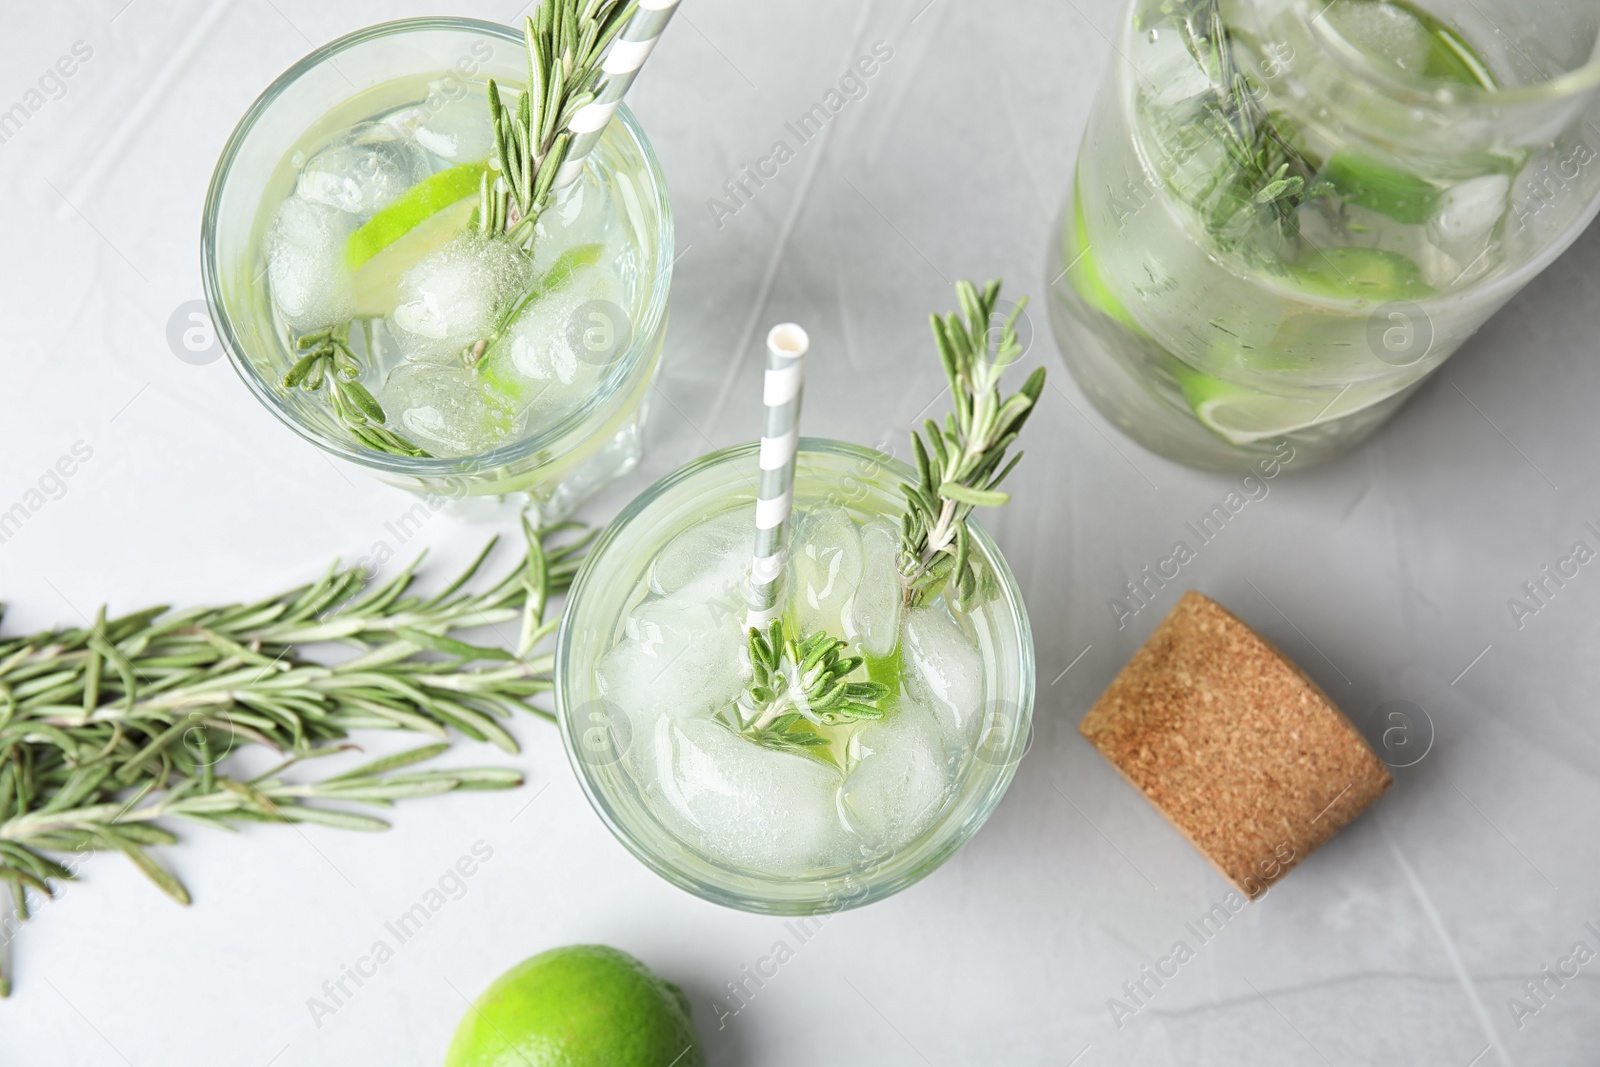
(959,467)
(1267,170)
(328,360)
(566,41)
(798,685)
(107,729)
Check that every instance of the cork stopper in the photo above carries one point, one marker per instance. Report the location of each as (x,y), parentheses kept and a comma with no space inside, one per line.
(1231,741)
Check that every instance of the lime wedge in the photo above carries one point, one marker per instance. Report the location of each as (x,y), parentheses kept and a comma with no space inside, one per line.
(1369,274)
(422,201)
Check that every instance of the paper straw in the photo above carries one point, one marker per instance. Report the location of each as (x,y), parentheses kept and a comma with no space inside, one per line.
(620,66)
(780,392)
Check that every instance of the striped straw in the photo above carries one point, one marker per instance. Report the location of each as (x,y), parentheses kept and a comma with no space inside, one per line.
(620,66)
(780,392)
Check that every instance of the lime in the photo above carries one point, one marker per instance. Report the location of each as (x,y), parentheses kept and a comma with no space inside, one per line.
(1085,276)
(1244,416)
(1369,274)
(1360,179)
(422,201)
(579,1006)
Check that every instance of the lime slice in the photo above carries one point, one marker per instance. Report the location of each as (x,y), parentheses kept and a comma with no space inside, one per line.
(1369,274)
(1085,276)
(1397,32)
(1243,416)
(420,202)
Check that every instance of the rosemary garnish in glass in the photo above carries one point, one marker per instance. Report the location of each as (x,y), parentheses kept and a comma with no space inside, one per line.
(798,686)
(1267,170)
(959,467)
(329,361)
(566,41)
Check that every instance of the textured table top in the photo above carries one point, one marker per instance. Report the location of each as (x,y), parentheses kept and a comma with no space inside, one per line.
(1386,575)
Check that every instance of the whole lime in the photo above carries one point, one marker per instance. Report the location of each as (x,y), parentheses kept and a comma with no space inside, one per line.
(579,1006)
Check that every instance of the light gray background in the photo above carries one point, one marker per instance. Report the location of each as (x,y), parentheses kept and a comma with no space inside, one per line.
(1385,575)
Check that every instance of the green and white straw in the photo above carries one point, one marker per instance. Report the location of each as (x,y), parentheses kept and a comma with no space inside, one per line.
(780,439)
(620,67)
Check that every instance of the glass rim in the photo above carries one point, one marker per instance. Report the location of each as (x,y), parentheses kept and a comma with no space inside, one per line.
(936,851)
(1567,85)
(640,345)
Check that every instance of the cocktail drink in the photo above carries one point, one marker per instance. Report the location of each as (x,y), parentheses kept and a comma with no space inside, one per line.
(736,782)
(1286,213)
(372,291)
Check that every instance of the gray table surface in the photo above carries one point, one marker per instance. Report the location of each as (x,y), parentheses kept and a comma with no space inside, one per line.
(1387,575)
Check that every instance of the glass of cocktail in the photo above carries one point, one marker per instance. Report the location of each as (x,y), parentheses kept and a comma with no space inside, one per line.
(1286,213)
(654,658)
(371,289)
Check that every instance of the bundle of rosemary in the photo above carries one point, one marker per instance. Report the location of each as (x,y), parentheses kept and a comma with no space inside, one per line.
(106,731)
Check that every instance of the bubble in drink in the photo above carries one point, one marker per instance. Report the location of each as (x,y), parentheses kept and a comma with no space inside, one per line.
(363,170)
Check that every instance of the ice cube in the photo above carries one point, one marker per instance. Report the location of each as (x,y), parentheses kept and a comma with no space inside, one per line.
(453,127)
(874,618)
(825,567)
(578,320)
(538,344)
(451,298)
(677,656)
(707,563)
(1469,211)
(752,807)
(901,776)
(944,670)
(364,169)
(305,264)
(450,410)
